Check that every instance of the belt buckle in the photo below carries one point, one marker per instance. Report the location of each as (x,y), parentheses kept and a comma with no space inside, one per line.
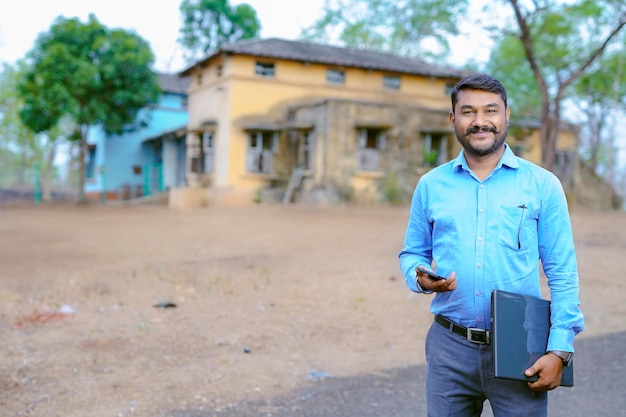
(478,336)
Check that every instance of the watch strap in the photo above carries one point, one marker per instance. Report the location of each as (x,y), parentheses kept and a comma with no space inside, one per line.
(566,357)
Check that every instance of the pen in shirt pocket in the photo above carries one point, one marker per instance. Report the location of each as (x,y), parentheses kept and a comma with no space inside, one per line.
(519,228)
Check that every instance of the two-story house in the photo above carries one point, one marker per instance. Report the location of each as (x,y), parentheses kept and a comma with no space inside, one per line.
(268,117)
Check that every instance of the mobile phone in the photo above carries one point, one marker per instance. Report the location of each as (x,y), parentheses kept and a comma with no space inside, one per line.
(430,273)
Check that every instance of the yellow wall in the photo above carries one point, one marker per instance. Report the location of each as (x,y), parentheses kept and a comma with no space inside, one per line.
(249,95)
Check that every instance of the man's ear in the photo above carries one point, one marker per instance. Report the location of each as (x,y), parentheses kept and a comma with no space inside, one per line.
(452,118)
(508,115)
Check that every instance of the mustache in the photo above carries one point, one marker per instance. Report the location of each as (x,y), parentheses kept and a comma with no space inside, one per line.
(476,129)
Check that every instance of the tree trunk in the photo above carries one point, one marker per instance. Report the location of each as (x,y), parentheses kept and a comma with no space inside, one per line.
(46,173)
(548,141)
(82,147)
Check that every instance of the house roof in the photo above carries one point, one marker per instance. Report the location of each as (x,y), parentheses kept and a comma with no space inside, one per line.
(173,83)
(274,48)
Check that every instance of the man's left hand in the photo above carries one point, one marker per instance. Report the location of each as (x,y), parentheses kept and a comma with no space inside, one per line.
(549,369)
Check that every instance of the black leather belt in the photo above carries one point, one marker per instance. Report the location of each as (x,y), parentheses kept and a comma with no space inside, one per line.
(471,334)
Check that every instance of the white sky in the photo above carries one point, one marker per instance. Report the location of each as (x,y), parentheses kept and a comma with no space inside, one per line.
(157,21)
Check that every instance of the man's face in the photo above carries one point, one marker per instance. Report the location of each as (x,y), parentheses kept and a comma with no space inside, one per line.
(480,121)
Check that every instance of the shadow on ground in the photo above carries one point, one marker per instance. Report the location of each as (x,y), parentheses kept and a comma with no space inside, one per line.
(600,384)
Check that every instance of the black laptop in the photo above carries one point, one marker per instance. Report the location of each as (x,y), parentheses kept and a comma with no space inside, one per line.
(520,326)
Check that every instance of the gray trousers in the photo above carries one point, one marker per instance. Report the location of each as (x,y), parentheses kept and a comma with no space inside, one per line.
(459,381)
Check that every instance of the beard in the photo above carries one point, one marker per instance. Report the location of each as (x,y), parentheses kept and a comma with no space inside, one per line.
(484,147)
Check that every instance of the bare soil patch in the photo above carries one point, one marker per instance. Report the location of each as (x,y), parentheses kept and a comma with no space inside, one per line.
(264,296)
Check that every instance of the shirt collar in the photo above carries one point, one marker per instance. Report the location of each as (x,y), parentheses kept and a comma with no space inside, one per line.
(508,158)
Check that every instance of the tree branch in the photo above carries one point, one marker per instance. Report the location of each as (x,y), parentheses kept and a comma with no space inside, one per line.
(574,75)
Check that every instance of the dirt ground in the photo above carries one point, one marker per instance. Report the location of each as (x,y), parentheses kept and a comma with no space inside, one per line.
(265,297)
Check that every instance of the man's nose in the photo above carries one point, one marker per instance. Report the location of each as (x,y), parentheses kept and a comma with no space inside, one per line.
(479,119)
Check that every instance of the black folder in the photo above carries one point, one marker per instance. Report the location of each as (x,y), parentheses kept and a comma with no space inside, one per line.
(520,326)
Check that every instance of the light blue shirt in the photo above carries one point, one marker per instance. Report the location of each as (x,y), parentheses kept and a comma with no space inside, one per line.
(493,234)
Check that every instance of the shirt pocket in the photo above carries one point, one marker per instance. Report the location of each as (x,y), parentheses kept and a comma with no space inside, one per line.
(517,229)
(517,233)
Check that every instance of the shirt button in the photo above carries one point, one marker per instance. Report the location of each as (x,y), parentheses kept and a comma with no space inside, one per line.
(480,319)
(478,293)
(482,186)
(480,238)
(481,210)
(478,265)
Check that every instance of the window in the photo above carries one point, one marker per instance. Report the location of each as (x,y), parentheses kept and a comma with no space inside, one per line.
(203,163)
(435,149)
(391,82)
(208,146)
(371,143)
(334,76)
(261,148)
(305,153)
(90,162)
(264,69)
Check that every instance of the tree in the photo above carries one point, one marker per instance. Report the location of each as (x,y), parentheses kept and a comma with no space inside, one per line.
(91,74)
(208,24)
(409,27)
(561,41)
(20,147)
(603,96)
(594,100)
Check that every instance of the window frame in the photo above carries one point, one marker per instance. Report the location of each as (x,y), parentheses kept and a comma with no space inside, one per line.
(207,145)
(265,69)
(395,85)
(260,155)
(369,155)
(335,76)
(305,151)
(434,157)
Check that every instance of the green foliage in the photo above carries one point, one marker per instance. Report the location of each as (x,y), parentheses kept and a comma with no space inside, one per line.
(208,24)
(605,83)
(93,74)
(411,27)
(13,134)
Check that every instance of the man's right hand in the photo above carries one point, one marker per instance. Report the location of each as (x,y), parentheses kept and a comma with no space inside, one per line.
(436,285)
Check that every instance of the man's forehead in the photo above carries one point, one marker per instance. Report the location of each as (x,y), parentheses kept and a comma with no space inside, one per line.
(478,97)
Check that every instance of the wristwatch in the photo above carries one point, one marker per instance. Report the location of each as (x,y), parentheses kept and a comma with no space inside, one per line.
(566,357)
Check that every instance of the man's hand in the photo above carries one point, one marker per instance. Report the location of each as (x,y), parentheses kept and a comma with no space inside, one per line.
(436,285)
(549,369)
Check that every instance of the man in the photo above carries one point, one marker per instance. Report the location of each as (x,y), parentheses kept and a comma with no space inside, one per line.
(484,221)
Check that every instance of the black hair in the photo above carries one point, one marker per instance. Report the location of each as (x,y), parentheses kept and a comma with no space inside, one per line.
(478,82)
